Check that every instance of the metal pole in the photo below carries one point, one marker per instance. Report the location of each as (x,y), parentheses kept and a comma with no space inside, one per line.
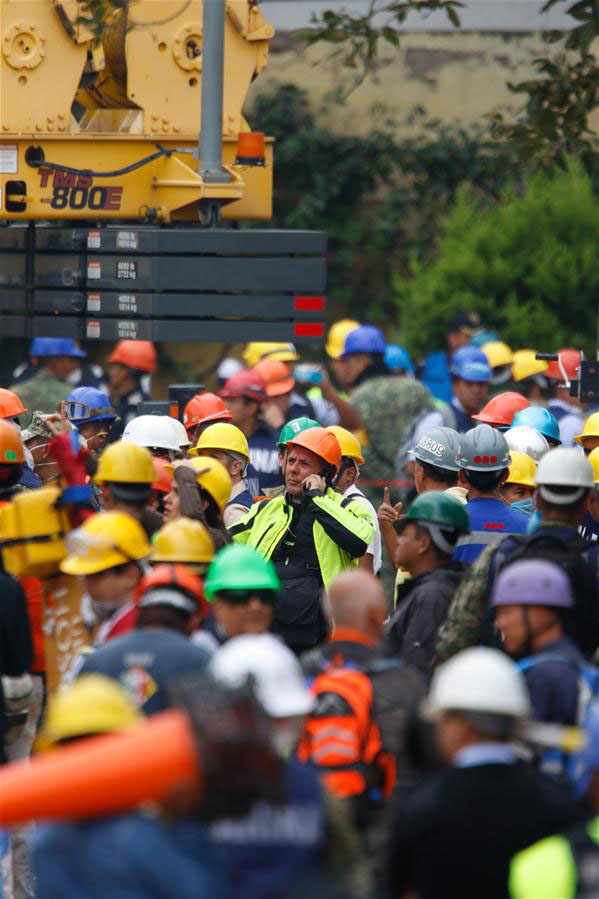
(213,61)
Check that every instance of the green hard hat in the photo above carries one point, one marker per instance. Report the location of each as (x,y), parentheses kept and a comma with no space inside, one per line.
(436,507)
(238,567)
(293,428)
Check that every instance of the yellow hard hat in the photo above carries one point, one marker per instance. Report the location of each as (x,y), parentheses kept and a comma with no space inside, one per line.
(224,437)
(105,540)
(593,458)
(216,481)
(590,428)
(349,443)
(125,463)
(498,353)
(337,334)
(183,540)
(522,469)
(524,365)
(93,704)
(282,352)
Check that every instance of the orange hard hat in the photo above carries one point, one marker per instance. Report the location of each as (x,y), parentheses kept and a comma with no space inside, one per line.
(205,407)
(174,579)
(164,477)
(10,404)
(276,376)
(570,359)
(137,354)
(500,411)
(11,448)
(320,442)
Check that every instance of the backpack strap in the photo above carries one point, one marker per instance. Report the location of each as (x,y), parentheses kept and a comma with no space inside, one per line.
(532,661)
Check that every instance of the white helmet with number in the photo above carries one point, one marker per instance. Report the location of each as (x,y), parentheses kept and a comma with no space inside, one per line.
(480,679)
(279,682)
(159,431)
(527,440)
(564,467)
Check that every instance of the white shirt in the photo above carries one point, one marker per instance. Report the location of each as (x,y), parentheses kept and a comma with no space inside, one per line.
(375,545)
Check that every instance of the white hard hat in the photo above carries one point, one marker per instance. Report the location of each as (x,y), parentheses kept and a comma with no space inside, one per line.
(279,680)
(564,467)
(480,679)
(181,433)
(227,368)
(524,439)
(153,430)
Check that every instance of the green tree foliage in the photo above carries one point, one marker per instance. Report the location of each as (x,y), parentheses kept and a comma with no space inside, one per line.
(528,264)
(378,198)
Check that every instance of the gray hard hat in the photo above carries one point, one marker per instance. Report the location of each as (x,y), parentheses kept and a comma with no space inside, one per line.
(483,449)
(438,447)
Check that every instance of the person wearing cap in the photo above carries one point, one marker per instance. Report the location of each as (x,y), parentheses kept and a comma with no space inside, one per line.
(566,409)
(85,374)
(454,835)
(588,439)
(130,363)
(483,459)
(500,358)
(528,374)
(427,537)
(49,386)
(311,534)
(519,488)
(229,446)
(109,551)
(290,404)
(345,484)
(36,438)
(146,661)
(90,411)
(564,480)
(244,395)
(532,601)
(275,850)
(279,383)
(242,588)
(434,372)
(125,476)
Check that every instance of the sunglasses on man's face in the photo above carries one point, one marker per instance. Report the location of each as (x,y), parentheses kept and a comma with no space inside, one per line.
(242,597)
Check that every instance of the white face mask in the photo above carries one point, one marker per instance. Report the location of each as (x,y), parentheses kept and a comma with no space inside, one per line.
(104,610)
(28,457)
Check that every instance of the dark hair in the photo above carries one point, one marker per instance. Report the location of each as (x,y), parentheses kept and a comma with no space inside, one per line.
(212,512)
(444,475)
(450,535)
(501,727)
(133,494)
(485,481)
(568,508)
(163,616)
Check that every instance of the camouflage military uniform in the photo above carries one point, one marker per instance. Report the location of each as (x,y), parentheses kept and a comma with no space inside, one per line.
(43,392)
(388,407)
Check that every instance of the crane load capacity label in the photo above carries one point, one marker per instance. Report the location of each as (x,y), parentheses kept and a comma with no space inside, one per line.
(71,191)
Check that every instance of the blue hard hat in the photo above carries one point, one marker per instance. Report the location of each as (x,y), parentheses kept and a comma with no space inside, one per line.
(470,364)
(55,346)
(365,339)
(540,419)
(86,404)
(397,359)
(484,337)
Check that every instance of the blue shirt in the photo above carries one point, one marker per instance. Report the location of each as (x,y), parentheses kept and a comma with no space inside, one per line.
(553,682)
(145,662)
(490,520)
(589,529)
(434,374)
(264,456)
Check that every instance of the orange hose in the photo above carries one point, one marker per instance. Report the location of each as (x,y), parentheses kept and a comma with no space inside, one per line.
(101,775)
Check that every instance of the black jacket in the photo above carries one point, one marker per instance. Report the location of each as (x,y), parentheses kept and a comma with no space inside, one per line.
(16,647)
(422,604)
(455,834)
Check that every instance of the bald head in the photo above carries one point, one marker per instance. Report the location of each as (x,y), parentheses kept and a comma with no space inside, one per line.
(358,602)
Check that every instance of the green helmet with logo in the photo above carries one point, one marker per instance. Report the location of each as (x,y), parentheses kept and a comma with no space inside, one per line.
(444,516)
(293,428)
(238,567)
(438,447)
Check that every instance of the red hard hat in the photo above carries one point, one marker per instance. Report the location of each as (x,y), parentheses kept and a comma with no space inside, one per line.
(175,579)
(137,354)
(164,477)
(501,409)
(205,407)
(320,442)
(10,404)
(246,383)
(570,359)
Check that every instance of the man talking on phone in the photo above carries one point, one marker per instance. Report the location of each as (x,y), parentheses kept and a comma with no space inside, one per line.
(311,534)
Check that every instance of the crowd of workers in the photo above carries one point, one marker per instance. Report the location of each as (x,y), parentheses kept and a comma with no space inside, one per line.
(391,570)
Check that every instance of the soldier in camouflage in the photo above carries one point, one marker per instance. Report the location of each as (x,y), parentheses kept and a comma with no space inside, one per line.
(58,357)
